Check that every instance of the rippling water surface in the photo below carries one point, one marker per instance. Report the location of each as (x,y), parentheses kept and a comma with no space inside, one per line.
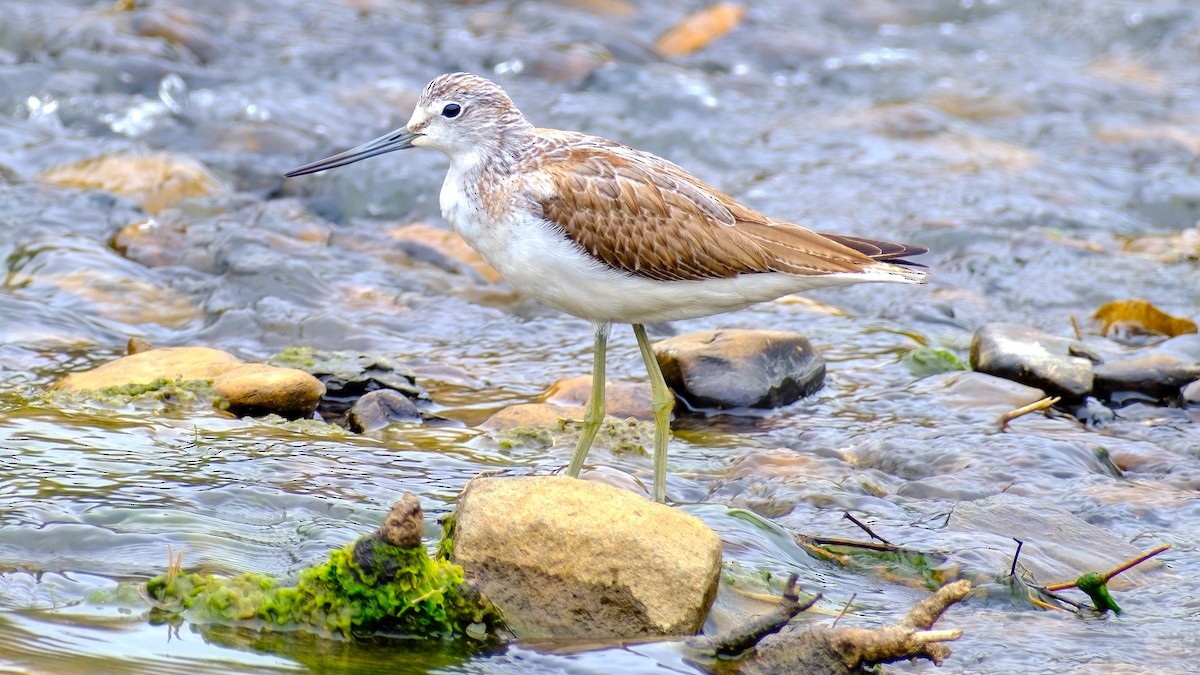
(1025,143)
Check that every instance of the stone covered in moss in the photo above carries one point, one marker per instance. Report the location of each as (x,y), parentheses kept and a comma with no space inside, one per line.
(370,586)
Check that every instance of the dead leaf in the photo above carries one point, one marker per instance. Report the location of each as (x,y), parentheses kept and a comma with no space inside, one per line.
(695,31)
(1140,316)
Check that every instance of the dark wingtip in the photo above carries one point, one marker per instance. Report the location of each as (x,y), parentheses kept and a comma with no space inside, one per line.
(883,251)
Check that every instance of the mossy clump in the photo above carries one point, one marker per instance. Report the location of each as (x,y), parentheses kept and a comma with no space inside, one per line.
(368,587)
(161,394)
(296,357)
(926,361)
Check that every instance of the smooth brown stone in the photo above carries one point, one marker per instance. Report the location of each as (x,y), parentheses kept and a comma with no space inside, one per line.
(258,389)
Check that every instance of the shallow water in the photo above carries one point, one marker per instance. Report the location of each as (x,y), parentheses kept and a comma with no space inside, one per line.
(1022,142)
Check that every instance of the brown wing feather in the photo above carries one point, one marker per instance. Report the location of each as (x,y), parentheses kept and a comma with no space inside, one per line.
(646,216)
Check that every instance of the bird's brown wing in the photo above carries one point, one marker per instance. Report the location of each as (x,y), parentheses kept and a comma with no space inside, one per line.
(646,216)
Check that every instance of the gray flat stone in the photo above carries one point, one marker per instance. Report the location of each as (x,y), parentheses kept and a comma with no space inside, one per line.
(1032,357)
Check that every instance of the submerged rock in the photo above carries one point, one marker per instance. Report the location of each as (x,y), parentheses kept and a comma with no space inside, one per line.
(1058,545)
(621,399)
(1032,357)
(156,181)
(379,408)
(740,368)
(562,558)
(447,244)
(970,390)
(258,389)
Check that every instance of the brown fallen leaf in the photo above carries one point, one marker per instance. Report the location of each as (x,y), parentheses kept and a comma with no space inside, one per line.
(1140,316)
(695,31)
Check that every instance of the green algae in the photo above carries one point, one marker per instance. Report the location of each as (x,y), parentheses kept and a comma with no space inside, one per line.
(365,588)
(295,357)
(621,436)
(925,361)
(445,547)
(159,394)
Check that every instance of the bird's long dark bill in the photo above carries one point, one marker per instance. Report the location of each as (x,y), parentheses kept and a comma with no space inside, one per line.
(396,140)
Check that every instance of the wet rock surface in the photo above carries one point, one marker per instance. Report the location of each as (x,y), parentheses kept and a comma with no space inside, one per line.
(1023,354)
(740,368)
(375,410)
(258,389)
(1033,357)
(546,415)
(542,549)
(1157,375)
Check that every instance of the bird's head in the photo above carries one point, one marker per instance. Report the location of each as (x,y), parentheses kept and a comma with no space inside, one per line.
(457,113)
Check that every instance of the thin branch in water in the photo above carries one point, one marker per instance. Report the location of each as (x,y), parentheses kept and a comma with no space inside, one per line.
(864,528)
(745,637)
(849,543)
(844,608)
(1050,594)
(1026,409)
(1013,570)
(1125,566)
(1135,561)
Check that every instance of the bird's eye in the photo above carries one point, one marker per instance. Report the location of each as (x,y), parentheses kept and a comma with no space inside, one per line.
(451,110)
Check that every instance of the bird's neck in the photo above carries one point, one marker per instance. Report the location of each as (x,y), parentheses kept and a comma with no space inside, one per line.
(485,174)
(498,157)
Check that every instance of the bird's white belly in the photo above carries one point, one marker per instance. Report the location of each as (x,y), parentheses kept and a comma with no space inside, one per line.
(536,258)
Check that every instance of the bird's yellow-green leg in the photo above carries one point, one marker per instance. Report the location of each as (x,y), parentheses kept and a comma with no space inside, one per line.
(662,401)
(595,408)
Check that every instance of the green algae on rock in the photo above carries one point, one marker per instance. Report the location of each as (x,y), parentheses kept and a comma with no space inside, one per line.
(382,583)
(925,361)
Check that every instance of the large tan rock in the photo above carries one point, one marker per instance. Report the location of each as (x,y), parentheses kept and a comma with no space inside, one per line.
(563,558)
(170,363)
(259,389)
